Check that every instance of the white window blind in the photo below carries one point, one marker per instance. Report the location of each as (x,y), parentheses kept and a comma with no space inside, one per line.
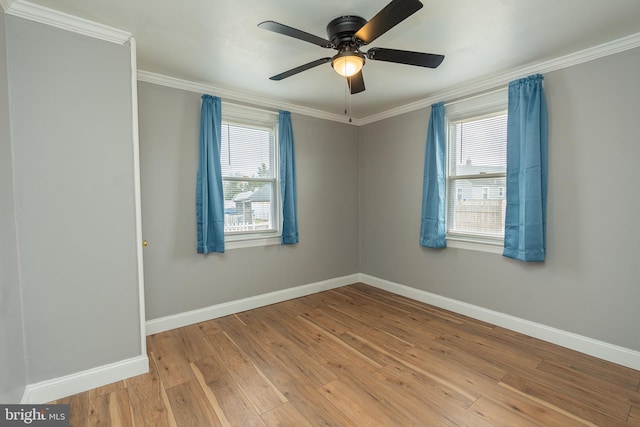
(249,176)
(476,179)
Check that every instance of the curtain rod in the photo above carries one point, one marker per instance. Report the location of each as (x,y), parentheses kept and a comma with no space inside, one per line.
(251,107)
(465,98)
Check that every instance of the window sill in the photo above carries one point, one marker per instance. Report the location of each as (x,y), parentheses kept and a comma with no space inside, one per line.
(493,247)
(239,243)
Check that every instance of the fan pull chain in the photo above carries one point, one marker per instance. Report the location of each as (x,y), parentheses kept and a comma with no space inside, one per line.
(346,88)
(350,107)
(349,88)
(347,93)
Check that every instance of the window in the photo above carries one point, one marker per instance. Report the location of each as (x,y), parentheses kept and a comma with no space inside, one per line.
(249,166)
(476,176)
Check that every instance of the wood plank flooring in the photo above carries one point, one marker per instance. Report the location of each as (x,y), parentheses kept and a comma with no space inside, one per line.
(359,356)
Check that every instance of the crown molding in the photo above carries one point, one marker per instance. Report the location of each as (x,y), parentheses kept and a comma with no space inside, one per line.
(486,84)
(54,18)
(234,95)
(502,79)
(5,4)
(25,9)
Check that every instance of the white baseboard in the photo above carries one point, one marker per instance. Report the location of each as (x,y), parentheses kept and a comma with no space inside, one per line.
(201,315)
(47,391)
(602,350)
(57,388)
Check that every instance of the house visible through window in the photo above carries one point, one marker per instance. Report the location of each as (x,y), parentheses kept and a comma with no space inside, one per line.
(476,178)
(249,178)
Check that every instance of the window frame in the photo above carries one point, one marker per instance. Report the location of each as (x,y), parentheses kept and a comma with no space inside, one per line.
(250,117)
(477,106)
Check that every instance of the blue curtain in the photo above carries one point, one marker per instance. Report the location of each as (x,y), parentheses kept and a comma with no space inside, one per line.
(209,196)
(433,225)
(525,221)
(287,179)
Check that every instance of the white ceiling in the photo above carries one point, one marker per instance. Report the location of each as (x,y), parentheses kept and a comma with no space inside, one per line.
(217,42)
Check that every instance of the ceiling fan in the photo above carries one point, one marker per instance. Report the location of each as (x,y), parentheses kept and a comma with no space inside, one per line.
(347,34)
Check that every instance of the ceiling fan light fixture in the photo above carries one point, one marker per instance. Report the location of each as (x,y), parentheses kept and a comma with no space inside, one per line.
(347,65)
(348,33)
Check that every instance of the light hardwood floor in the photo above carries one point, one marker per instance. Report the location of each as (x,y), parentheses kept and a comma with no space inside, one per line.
(359,356)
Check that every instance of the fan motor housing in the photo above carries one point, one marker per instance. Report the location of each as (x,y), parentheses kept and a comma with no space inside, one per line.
(342,29)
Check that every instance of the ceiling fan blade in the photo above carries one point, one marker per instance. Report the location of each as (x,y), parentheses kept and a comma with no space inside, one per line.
(420,59)
(392,14)
(300,69)
(296,34)
(356,83)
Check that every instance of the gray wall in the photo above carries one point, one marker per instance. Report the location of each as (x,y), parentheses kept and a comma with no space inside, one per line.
(176,278)
(590,282)
(13,375)
(70,99)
